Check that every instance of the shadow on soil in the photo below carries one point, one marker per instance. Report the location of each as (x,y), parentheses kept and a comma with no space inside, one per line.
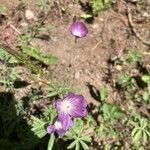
(15,134)
(93,91)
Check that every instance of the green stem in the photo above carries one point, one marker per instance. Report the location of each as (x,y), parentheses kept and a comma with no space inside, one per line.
(22,58)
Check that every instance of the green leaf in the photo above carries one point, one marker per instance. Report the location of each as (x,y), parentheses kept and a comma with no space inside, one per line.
(71,134)
(86,16)
(143,123)
(3,8)
(124,79)
(146,96)
(100,5)
(76,134)
(35,53)
(49,59)
(134,132)
(77,146)
(49,114)
(78,127)
(38,127)
(32,51)
(84,145)
(134,56)
(112,132)
(111,112)
(51,142)
(137,136)
(52,93)
(146,78)
(73,144)
(86,138)
(22,58)
(103,93)
(4,56)
(147,132)
(145,136)
(24,40)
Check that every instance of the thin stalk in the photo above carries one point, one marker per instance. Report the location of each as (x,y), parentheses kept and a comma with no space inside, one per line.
(22,58)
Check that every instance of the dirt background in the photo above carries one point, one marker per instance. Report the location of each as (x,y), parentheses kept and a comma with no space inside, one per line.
(85,63)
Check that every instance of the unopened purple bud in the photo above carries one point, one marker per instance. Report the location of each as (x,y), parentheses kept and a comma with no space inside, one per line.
(78,29)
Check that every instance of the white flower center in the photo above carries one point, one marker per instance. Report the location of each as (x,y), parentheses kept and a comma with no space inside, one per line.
(77,33)
(57,125)
(66,106)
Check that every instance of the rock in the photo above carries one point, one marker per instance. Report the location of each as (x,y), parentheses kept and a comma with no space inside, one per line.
(148,2)
(119,68)
(24,24)
(95,25)
(145,14)
(29,15)
(77,75)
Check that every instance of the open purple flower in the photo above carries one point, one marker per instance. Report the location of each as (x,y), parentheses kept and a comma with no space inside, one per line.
(59,127)
(78,29)
(72,105)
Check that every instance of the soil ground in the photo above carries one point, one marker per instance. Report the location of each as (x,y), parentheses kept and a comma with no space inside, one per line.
(83,64)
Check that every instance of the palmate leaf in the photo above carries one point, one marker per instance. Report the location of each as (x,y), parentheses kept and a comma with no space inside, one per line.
(143,123)
(134,132)
(146,78)
(76,135)
(71,135)
(49,114)
(84,145)
(146,96)
(111,112)
(103,93)
(38,127)
(140,131)
(147,132)
(79,142)
(72,145)
(77,146)
(86,138)
(78,127)
(137,136)
(49,59)
(145,136)
(100,5)
(134,56)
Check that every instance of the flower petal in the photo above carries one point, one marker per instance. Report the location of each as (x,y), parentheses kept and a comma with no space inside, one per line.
(78,29)
(50,129)
(58,104)
(61,132)
(79,105)
(66,121)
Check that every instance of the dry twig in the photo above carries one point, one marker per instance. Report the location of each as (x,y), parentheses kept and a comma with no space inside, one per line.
(133,27)
(15,29)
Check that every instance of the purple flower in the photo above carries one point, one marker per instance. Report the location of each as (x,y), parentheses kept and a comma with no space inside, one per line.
(78,29)
(59,127)
(72,105)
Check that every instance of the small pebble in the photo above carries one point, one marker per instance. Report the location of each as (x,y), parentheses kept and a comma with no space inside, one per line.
(77,75)
(24,24)
(29,15)
(119,68)
(95,25)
